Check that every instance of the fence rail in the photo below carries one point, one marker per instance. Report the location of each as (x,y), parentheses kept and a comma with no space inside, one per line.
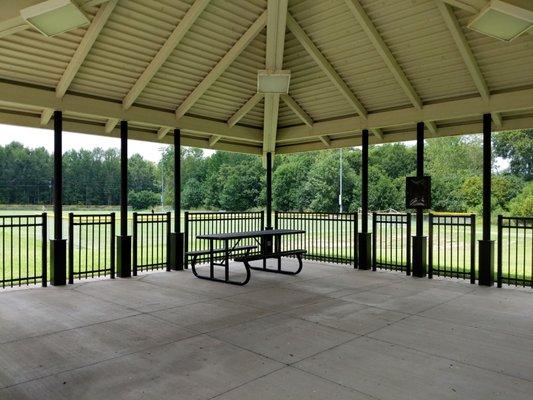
(329,237)
(204,223)
(391,242)
(91,246)
(452,246)
(23,245)
(151,241)
(515,251)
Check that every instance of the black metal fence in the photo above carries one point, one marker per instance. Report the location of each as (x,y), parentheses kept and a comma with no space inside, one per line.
(203,223)
(329,237)
(23,245)
(452,246)
(91,246)
(151,241)
(391,242)
(515,251)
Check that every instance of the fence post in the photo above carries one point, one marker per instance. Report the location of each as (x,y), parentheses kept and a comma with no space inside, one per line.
(71,248)
(186,239)
(500,246)
(44,233)
(169,216)
(374,242)
(113,243)
(430,246)
(472,248)
(276,219)
(135,244)
(409,247)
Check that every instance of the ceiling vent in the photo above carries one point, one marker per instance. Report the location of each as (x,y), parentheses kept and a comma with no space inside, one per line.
(53,17)
(273,82)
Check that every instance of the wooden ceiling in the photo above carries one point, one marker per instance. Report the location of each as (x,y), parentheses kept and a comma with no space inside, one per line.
(383,65)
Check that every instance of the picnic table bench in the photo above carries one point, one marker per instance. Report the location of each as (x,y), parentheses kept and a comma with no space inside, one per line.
(269,245)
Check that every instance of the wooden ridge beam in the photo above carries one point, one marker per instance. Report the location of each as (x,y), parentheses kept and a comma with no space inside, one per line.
(299,111)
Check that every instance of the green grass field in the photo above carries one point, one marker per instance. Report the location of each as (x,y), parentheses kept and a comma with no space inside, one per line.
(21,254)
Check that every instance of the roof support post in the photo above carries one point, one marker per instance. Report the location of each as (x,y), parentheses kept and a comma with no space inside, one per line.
(486,245)
(365,238)
(268,190)
(58,246)
(176,238)
(124,241)
(419,241)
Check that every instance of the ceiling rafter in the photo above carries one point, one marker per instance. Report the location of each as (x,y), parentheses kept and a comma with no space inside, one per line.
(324,64)
(46,115)
(111,124)
(214,140)
(223,64)
(471,6)
(165,51)
(383,50)
(96,26)
(299,111)
(275,44)
(245,108)
(518,100)
(326,140)
(466,53)
(162,132)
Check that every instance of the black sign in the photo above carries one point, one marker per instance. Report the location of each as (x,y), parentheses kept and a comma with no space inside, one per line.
(418,192)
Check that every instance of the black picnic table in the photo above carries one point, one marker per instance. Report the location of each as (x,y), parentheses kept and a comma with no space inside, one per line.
(268,241)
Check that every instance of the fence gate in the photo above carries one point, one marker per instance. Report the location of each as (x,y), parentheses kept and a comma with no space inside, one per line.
(204,223)
(515,257)
(91,246)
(151,241)
(23,250)
(391,242)
(329,237)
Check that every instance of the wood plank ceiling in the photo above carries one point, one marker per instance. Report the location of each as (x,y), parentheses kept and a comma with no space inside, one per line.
(192,64)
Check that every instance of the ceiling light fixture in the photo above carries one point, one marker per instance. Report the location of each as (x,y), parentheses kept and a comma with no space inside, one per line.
(53,17)
(273,82)
(504,19)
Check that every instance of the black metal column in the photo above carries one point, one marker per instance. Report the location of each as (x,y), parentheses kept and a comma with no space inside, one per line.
(268,190)
(486,245)
(124,241)
(58,246)
(176,238)
(419,240)
(365,238)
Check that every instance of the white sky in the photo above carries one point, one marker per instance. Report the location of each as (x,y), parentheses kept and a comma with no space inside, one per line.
(33,137)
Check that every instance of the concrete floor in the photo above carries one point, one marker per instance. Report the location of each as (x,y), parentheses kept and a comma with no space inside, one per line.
(329,333)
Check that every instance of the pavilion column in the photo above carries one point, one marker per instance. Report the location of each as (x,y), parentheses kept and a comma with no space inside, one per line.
(486,245)
(58,246)
(176,238)
(269,190)
(419,240)
(364,237)
(124,241)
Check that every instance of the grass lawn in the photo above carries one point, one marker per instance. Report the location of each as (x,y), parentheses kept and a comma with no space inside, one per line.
(21,248)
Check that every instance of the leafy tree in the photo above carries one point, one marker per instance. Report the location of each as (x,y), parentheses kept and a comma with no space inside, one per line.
(382,193)
(192,195)
(517,146)
(143,200)
(522,205)
(142,174)
(240,186)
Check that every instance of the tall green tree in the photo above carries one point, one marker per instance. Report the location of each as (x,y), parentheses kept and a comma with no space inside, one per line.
(517,147)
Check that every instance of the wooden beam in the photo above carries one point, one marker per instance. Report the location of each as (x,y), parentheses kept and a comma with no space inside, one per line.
(275,44)
(472,6)
(111,124)
(497,119)
(299,111)
(97,24)
(46,115)
(245,109)
(462,45)
(14,95)
(518,100)
(223,64)
(368,27)
(377,132)
(163,131)
(324,64)
(165,51)
(214,139)
(454,130)
(432,127)
(326,140)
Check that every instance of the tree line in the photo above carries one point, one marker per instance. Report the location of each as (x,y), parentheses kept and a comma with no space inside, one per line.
(305,181)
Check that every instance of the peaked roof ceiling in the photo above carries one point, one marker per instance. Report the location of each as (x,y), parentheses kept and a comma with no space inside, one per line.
(192,64)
